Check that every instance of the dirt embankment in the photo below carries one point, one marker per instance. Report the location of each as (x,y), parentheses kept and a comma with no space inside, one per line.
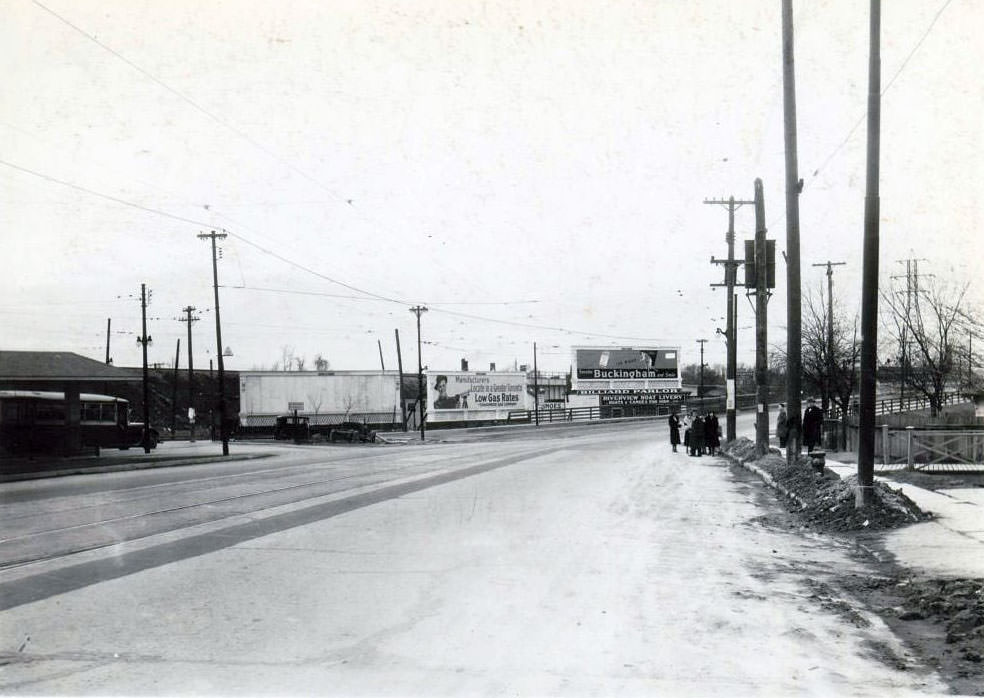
(941,619)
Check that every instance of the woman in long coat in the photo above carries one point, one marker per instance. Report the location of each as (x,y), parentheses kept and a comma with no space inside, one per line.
(674,422)
(713,435)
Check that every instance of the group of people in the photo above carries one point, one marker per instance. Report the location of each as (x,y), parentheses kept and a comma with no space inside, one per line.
(812,425)
(701,433)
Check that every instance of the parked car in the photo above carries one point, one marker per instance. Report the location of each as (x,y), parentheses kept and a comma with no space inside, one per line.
(288,427)
(352,432)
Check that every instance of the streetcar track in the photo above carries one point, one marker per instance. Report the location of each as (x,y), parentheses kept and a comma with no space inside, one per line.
(48,583)
(376,478)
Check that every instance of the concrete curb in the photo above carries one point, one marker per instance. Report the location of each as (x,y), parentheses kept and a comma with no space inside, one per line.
(122,467)
(767,479)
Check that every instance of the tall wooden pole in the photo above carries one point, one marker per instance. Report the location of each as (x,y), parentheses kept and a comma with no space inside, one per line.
(730,276)
(761,326)
(869,289)
(418,311)
(794,329)
(144,339)
(174,390)
(399,363)
(223,427)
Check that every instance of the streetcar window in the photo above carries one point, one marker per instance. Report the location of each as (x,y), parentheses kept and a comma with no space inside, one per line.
(50,412)
(91,411)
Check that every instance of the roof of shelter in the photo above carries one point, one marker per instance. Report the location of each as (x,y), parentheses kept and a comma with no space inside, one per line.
(61,366)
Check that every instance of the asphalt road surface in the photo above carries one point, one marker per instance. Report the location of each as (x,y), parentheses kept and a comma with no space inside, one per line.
(558,562)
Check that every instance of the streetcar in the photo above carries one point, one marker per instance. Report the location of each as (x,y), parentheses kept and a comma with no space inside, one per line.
(35,421)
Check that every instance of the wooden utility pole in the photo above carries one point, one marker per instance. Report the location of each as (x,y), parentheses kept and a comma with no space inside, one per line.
(794,185)
(536,388)
(700,386)
(730,276)
(399,363)
(382,365)
(869,288)
(174,390)
(419,310)
(188,310)
(144,340)
(223,427)
(109,323)
(830,329)
(761,326)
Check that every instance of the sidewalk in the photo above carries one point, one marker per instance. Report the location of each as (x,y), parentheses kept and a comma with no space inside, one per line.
(952,544)
(167,453)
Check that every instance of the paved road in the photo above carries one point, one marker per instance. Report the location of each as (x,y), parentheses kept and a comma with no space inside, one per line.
(564,564)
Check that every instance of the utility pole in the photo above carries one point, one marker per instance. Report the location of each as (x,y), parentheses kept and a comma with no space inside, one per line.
(865,493)
(188,310)
(911,292)
(418,310)
(399,363)
(794,185)
(536,388)
(381,364)
(830,329)
(144,340)
(174,390)
(700,388)
(761,324)
(730,276)
(109,323)
(223,428)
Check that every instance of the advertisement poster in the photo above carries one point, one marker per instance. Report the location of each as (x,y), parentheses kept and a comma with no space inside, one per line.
(625,369)
(474,391)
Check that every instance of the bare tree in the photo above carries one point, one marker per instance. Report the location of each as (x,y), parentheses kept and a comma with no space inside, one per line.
(286,357)
(299,361)
(927,335)
(320,363)
(828,370)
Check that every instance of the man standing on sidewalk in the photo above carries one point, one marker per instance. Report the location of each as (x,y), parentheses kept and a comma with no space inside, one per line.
(812,425)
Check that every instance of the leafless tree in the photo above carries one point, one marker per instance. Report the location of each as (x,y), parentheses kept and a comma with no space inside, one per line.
(286,357)
(925,328)
(320,363)
(299,361)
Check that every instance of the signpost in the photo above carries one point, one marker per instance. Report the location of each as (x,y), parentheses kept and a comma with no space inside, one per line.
(296,407)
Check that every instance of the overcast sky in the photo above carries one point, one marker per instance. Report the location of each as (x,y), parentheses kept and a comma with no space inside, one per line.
(530,170)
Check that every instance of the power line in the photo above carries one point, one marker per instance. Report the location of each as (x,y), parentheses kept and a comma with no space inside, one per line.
(861,119)
(219,120)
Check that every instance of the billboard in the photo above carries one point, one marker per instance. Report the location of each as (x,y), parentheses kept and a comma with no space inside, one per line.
(626,370)
(460,395)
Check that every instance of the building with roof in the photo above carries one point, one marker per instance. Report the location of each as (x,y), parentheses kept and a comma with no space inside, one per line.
(65,372)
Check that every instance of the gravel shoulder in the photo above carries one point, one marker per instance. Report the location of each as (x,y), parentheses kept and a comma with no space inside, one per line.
(941,620)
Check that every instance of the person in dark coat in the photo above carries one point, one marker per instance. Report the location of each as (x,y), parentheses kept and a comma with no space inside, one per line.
(697,436)
(674,422)
(782,426)
(812,425)
(713,433)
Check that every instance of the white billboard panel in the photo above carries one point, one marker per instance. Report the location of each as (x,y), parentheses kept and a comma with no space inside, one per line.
(479,395)
(626,370)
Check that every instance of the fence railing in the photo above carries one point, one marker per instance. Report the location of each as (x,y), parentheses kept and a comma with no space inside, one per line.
(894,405)
(918,448)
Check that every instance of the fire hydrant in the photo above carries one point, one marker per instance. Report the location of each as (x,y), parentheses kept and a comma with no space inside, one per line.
(818,459)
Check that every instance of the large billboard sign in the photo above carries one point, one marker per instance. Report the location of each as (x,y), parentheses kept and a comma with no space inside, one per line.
(460,395)
(626,370)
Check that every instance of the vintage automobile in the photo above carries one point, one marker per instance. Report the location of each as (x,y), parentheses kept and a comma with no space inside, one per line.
(352,432)
(290,427)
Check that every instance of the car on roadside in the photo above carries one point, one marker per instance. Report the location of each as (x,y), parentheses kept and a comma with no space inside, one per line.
(289,427)
(352,432)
